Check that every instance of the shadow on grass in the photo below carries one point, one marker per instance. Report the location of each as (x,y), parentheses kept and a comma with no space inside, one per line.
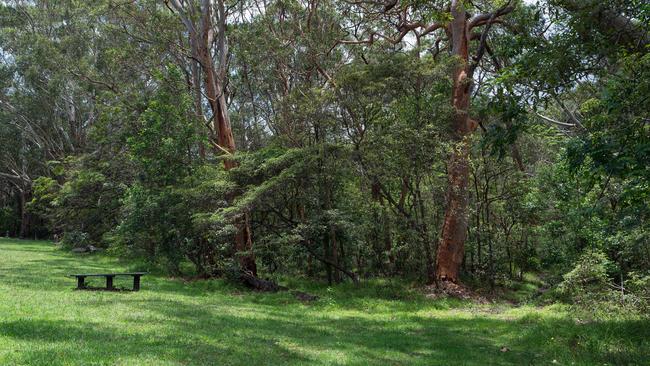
(84,343)
(222,335)
(430,341)
(253,342)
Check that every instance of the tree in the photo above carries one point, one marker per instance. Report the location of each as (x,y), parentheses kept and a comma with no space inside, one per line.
(460,30)
(197,16)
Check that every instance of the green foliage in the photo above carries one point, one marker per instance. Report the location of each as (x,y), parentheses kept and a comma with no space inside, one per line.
(165,134)
(74,239)
(618,142)
(589,286)
(8,221)
(588,280)
(638,286)
(155,220)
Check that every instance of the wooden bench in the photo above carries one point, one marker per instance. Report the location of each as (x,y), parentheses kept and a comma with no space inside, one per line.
(81,279)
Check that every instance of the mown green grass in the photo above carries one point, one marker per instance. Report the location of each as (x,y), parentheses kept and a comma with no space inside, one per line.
(43,321)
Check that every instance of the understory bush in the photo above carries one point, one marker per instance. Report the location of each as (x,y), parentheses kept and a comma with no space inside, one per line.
(75,239)
(589,286)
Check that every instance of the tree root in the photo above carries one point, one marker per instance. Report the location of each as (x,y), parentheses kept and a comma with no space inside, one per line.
(259,284)
(262,285)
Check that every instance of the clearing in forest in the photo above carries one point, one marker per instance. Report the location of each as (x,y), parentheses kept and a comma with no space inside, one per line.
(43,321)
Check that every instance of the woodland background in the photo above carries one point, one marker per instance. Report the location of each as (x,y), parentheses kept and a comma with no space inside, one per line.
(433,141)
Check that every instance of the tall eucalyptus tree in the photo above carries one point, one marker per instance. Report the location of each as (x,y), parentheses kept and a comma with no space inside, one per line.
(205,22)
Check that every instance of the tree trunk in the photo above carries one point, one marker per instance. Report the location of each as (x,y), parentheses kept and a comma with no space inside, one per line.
(334,253)
(303,219)
(244,246)
(426,242)
(25,217)
(381,234)
(454,229)
(477,216)
(201,42)
(198,100)
(333,273)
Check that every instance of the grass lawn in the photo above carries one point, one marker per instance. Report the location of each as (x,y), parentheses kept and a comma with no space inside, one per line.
(44,322)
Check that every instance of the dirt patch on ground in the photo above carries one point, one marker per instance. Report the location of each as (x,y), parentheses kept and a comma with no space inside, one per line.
(450,289)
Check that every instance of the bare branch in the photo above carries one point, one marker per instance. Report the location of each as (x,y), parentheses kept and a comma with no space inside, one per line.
(553,121)
(482,19)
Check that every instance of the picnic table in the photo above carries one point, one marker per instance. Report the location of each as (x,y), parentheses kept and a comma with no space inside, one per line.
(81,279)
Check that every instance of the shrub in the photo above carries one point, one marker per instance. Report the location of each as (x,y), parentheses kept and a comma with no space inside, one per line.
(75,239)
(638,290)
(588,280)
(589,287)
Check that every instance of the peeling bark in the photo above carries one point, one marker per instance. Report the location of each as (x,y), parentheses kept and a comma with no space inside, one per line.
(451,247)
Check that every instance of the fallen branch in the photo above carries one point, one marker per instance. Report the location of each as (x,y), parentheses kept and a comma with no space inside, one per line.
(259,284)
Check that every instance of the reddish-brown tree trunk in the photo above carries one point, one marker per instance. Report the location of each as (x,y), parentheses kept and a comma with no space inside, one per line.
(334,253)
(226,141)
(244,246)
(451,247)
(201,41)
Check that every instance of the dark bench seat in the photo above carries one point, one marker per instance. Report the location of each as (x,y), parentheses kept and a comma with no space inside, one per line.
(81,279)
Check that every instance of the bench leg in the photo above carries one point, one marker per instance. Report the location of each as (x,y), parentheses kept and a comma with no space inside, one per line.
(136,283)
(81,282)
(109,283)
